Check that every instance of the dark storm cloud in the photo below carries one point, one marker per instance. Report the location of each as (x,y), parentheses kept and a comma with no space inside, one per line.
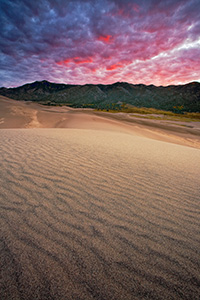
(96,41)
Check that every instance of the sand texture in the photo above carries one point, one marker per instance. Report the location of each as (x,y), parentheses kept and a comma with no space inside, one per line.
(91,214)
(96,206)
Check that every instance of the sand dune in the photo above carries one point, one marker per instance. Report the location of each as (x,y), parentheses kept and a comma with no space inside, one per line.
(20,114)
(89,214)
(98,209)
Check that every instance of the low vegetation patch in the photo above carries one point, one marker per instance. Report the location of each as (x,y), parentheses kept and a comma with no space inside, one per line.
(155,114)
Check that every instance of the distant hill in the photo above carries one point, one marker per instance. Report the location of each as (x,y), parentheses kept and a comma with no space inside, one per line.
(175,98)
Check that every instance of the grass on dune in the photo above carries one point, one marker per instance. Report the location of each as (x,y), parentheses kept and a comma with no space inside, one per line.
(181,118)
(157,114)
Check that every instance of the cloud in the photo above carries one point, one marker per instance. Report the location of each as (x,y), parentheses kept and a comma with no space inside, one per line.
(105,39)
(90,41)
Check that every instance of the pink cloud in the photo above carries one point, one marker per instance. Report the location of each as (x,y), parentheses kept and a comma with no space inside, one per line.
(76,60)
(105,39)
(121,40)
(126,11)
(136,7)
(113,67)
(79,60)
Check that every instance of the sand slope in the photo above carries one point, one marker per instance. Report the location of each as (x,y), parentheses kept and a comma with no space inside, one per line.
(21,114)
(92,214)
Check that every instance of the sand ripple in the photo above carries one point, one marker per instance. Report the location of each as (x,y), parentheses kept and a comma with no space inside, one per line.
(98,215)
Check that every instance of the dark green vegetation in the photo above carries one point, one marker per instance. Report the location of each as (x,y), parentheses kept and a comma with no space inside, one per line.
(178,99)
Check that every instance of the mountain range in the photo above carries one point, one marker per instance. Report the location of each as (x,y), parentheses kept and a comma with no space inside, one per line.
(173,98)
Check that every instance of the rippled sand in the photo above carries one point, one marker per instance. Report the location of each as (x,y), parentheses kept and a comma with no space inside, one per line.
(92,214)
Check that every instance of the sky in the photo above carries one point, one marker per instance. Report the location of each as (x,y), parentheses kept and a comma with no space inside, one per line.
(105,41)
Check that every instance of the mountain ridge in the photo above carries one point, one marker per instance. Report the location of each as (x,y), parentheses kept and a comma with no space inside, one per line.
(177,98)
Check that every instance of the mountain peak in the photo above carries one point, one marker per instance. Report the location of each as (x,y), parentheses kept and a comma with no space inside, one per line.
(109,96)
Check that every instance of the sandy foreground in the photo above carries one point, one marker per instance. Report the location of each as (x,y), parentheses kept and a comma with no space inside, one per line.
(98,209)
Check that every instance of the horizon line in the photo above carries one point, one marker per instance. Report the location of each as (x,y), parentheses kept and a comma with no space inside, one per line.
(12,87)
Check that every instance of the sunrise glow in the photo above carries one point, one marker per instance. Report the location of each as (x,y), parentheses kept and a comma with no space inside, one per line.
(79,42)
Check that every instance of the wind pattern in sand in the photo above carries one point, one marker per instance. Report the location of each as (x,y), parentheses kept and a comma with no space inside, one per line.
(98,215)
